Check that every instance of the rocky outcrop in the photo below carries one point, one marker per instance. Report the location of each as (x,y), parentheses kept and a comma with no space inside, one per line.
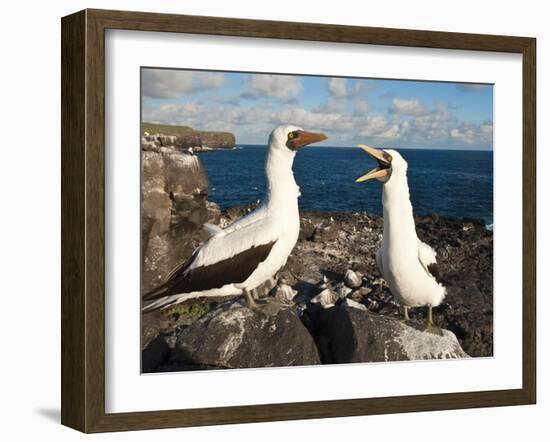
(174,191)
(174,207)
(465,258)
(155,355)
(233,336)
(346,334)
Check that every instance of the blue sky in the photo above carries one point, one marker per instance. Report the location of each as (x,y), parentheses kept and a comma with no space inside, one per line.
(384,113)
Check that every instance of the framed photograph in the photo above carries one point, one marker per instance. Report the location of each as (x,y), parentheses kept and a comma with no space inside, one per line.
(267,221)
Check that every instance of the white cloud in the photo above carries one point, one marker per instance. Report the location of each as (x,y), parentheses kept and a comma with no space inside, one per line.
(245,118)
(282,87)
(211,81)
(332,105)
(342,95)
(436,127)
(338,87)
(380,126)
(374,126)
(473,134)
(432,126)
(344,125)
(469,87)
(408,107)
(487,128)
(361,107)
(165,83)
(333,121)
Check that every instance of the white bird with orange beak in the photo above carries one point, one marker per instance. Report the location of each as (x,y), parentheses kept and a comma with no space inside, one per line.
(407,264)
(250,251)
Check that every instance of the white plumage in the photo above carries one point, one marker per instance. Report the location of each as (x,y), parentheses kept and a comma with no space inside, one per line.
(407,264)
(260,242)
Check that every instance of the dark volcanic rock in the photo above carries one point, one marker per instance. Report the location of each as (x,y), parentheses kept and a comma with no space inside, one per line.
(465,259)
(234,336)
(350,335)
(307,229)
(326,231)
(234,213)
(154,355)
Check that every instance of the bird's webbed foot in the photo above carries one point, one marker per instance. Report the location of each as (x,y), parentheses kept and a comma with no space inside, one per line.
(268,307)
(433,329)
(430,326)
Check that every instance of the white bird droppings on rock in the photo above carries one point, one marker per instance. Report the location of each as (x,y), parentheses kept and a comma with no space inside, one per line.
(419,345)
(237,317)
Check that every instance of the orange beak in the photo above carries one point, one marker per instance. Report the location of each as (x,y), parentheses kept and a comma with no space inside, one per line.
(304,138)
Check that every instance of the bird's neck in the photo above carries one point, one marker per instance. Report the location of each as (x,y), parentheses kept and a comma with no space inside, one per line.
(282,190)
(399,228)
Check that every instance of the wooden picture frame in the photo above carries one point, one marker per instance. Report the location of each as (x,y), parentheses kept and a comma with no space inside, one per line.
(83,219)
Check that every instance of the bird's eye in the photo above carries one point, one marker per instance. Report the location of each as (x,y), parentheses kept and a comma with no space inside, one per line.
(291,135)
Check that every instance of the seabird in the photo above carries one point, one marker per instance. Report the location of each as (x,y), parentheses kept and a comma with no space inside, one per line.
(407,264)
(250,251)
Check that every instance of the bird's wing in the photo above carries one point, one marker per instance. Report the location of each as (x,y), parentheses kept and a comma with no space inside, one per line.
(427,257)
(223,259)
(212,229)
(253,217)
(380,261)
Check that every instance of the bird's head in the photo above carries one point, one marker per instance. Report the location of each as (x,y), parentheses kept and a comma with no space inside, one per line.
(390,163)
(292,138)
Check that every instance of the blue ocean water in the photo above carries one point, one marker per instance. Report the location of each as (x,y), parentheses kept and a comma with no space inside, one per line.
(448,182)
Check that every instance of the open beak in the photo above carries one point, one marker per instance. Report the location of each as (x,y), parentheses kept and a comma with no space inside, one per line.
(384,164)
(304,138)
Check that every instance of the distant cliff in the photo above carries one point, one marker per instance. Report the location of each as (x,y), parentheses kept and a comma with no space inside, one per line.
(185,136)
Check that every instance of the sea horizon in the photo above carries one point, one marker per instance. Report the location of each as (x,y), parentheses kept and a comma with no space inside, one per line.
(454,183)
